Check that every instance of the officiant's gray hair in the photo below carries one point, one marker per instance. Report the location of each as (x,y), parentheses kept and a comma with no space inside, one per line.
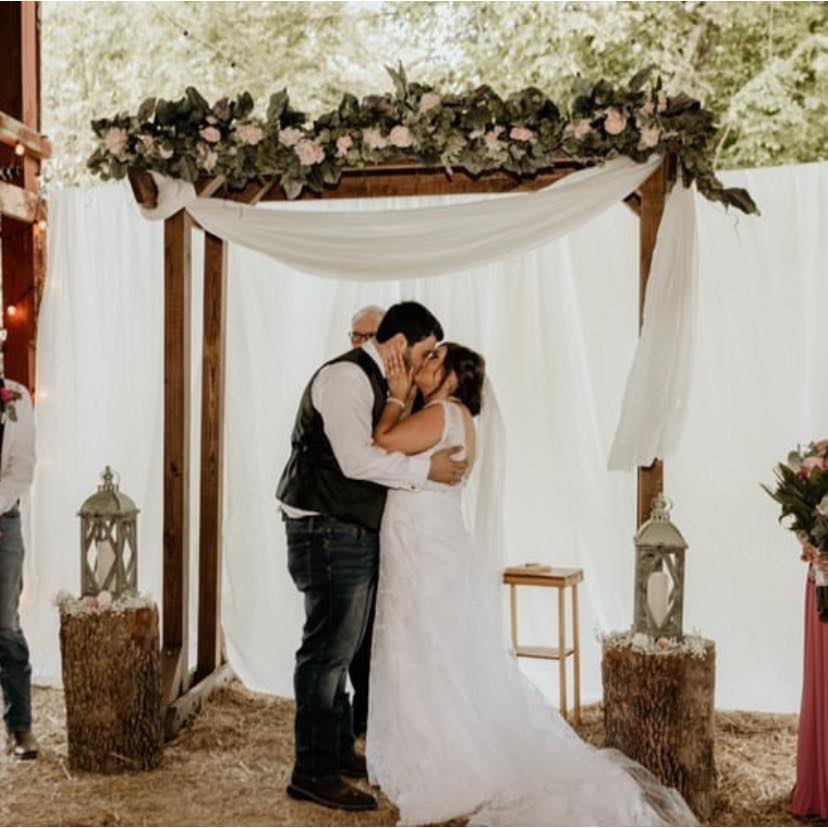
(365,311)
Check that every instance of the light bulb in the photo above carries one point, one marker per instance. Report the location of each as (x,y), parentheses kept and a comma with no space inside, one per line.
(19,149)
(42,224)
(11,310)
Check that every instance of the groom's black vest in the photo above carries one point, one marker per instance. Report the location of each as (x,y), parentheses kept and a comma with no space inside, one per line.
(312,478)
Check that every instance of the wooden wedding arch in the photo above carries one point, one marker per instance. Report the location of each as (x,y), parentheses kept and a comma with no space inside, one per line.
(184,691)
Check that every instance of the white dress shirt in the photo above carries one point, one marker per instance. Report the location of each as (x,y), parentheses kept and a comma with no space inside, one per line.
(18,458)
(343,396)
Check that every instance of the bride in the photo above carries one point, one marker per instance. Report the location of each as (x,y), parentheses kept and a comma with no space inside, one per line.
(454,728)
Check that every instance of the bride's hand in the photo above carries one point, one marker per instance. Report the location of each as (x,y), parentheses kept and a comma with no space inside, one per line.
(400,379)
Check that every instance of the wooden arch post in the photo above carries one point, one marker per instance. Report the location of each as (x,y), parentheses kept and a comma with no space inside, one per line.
(184,691)
(653,193)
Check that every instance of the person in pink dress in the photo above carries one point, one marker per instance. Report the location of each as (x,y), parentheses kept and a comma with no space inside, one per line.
(810,795)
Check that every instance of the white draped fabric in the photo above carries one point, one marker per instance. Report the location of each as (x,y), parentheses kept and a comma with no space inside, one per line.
(558,325)
(412,243)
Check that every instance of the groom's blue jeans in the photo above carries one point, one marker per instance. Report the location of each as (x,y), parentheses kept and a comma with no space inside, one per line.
(15,670)
(335,565)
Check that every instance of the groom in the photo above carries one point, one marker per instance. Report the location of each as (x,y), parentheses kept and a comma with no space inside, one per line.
(333,493)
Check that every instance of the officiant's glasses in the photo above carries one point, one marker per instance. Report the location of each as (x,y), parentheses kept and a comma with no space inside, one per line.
(359,338)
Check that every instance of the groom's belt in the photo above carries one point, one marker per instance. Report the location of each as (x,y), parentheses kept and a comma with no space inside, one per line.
(322,521)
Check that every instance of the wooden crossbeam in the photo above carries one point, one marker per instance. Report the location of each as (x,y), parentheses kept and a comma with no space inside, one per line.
(371,182)
(189,705)
(20,204)
(13,132)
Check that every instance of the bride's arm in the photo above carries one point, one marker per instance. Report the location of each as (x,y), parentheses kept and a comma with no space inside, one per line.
(397,432)
(411,435)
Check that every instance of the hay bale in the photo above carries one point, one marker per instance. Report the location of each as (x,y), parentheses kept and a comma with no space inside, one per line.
(112,684)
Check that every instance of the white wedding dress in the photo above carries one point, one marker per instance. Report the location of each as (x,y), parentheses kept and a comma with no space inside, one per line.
(454,728)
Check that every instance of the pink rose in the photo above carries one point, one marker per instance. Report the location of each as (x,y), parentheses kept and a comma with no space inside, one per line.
(401,137)
(662,643)
(8,395)
(166,153)
(615,122)
(250,134)
(431,100)
(374,139)
(309,152)
(290,136)
(650,136)
(115,140)
(811,463)
(520,133)
(90,602)
(581,128)
(343,144)
(211,134)
(492,139)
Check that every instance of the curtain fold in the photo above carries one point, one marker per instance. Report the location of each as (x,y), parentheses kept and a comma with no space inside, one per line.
(425,241)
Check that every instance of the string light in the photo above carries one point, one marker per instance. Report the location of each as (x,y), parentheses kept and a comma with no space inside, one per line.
(42,224)
(11,311)
(19,149)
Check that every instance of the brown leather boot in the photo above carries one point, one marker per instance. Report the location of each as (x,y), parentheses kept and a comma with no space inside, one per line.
(332,792)
(21,744)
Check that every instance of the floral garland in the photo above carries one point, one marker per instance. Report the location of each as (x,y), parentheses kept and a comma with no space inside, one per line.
(693,645)
(478,131)
(103,602)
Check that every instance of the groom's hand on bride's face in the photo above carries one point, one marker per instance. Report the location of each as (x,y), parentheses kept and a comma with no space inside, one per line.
(444,469)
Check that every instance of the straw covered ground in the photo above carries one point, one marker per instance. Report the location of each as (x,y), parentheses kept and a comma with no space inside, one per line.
(231,767)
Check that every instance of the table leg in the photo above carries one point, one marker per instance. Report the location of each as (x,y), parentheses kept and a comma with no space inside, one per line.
(576,658)
(513,609)
(562,646)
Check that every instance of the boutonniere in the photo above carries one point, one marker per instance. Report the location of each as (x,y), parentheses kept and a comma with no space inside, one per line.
(8,397)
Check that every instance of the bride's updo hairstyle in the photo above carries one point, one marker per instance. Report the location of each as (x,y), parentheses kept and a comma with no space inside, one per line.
(470,369)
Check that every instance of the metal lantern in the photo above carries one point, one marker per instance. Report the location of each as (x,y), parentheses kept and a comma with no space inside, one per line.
(109,540)
(659,574)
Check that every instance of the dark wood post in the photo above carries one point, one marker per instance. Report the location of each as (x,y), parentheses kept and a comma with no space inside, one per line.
(212,456)
(653,193)
(23,244)
(177,298)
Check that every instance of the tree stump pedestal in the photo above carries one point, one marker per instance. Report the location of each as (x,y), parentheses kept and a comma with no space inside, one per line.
(658,710)
(112,685)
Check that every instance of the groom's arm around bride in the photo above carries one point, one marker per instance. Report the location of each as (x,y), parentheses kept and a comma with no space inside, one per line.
(333,492)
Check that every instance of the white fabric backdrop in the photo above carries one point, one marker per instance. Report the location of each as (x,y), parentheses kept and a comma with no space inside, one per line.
(558,327)
(368,242)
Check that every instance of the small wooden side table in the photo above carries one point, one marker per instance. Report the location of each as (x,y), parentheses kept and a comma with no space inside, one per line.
(558,578)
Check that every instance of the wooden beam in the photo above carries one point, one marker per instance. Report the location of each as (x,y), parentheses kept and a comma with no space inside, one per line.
(13,132)
(653,193)
(253,192)
(401,179)
(378,182)
(189,705)
(212,455)
(19,204)
(143,188)
(176,538)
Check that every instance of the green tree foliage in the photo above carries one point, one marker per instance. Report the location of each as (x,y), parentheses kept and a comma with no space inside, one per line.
(762,68)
